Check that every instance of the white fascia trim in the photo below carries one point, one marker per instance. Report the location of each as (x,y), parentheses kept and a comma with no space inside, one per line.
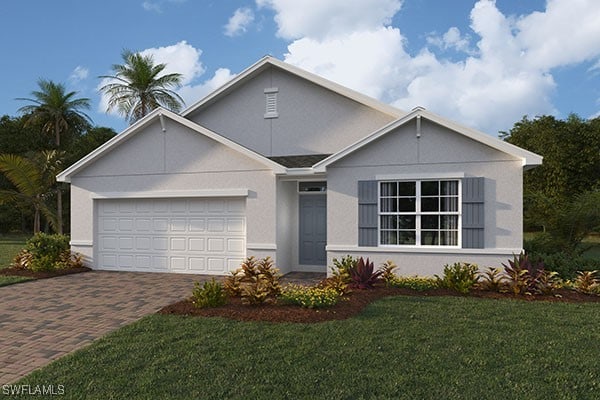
(337,88)
(431,175)
(171,194)
(422,250)
(261,246)
(82,243)
(528,158)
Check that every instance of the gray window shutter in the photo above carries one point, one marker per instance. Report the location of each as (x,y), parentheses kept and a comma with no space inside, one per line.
(367,213)
(473,213)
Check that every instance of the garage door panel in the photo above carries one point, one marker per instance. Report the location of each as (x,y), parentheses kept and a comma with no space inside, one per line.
(181,235)
(178,244)
(126,243)
(197,244)
(178,225)
(197,225)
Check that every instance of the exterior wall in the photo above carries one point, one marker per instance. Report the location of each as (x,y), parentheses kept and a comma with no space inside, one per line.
(334,121)
(178,160)
(286,225)
(438,151)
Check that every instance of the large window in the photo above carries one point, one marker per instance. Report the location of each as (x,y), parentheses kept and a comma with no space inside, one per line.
(419,213)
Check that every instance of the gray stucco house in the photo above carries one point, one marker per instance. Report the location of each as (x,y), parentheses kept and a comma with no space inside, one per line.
(283,163)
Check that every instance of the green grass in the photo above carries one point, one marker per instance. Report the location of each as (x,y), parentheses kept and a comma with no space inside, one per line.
(400,348)
(9,280)
(10,245)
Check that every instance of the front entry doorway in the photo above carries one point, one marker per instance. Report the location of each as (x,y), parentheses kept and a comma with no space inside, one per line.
(313,229)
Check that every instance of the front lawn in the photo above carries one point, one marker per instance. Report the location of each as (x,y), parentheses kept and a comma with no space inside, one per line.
(400,347)
(10,245)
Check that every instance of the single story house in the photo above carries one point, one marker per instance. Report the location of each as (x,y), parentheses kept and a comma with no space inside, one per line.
(280,162)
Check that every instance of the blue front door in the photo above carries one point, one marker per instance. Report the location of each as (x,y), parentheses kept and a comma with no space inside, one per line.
(313,229)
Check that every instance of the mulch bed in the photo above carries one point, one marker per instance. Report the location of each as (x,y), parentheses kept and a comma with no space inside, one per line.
(42,274)
(351,305)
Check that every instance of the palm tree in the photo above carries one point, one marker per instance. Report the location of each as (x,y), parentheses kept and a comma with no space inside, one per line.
(33,178)
(136,88)
(58,111)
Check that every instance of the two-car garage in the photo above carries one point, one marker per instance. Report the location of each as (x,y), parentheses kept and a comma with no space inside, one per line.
(187,235)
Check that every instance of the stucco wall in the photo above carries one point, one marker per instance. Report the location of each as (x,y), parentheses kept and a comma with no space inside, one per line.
(438,151)
(312,120)
(178,160)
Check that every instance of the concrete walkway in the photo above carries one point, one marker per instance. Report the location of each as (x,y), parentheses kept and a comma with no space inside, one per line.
(43,320)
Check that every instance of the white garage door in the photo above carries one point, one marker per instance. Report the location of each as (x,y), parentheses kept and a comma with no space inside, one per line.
(192,235)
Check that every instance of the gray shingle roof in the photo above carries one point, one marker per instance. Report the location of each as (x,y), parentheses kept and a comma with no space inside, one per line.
(302,161)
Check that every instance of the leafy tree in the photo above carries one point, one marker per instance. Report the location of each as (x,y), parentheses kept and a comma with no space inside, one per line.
(56,109)
(570,150)
(59,112)
(33,178)
(559,195)
(137,87)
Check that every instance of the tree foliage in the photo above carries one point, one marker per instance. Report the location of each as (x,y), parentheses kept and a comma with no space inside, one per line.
(57,110)
(562,195)
(137,87)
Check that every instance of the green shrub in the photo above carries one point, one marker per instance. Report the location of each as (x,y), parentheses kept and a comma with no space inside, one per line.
(310,297)
(529,277)
(42,264)
(362,275)
(492,279)
(387,271)
(210,294)
(419,283)
(566,265)
(45,252)
(459,276)
(256,281)
(43,244)
(587,282)
(341,268)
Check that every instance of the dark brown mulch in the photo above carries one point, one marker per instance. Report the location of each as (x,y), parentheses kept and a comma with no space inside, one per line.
(350,306)
(42,274)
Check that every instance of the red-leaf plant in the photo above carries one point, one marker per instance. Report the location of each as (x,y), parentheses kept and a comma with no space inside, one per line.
(362,275)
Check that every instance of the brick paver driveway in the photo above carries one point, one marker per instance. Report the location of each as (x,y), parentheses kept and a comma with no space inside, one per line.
(45,319)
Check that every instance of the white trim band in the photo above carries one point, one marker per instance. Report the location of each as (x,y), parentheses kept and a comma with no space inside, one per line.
(423,249)
(172,194)
(261,246)
(420,177)
(82,243)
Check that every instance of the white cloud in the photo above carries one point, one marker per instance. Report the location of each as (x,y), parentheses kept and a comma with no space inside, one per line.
(318,19)
(501,77)
(193,93)
(152,6)
(238,23)
(157,6)
(180,58)
(452,39)
(79,73)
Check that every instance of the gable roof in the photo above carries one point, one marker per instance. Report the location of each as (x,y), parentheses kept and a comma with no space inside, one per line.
(159,114)
(269,61)
(527,157)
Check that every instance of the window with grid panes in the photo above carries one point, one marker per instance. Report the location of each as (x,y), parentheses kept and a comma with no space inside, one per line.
(419,213)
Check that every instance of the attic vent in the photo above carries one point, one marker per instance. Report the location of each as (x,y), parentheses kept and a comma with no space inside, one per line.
(271,103)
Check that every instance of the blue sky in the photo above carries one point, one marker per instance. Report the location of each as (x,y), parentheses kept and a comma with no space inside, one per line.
(482,63)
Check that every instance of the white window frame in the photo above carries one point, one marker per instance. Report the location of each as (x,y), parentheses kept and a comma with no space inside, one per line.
(418,213)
